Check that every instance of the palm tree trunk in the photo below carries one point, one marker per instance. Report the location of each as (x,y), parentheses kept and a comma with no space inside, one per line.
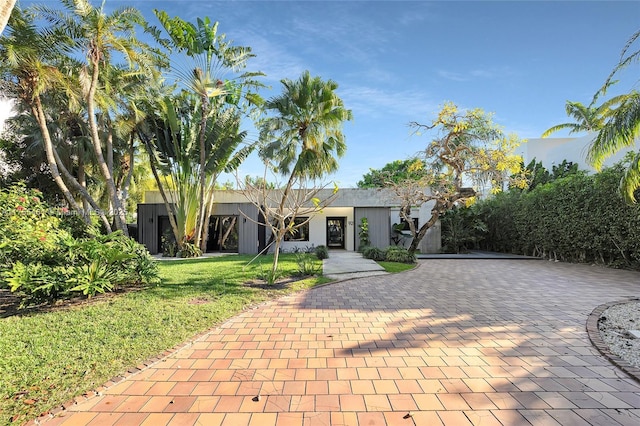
(38,113)
(82,178)
(5,12)
(120,218)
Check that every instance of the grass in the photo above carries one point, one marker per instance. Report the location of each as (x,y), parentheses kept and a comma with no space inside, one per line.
(48,358)
(394,267)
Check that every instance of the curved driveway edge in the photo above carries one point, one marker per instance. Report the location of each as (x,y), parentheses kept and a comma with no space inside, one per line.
(603,348)
(454,342)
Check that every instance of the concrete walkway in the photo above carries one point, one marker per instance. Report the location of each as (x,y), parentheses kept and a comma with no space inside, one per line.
(454,342)
(343,264)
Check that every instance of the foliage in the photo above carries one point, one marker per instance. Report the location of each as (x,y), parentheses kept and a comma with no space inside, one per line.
(363,233)
(399,254)
(397,171)
(308,265)
(622,127)
(577,218)
(468,148)
(462,230)
(301,140)
(42,261)
(189,249)
(373,253)
(322,252)
(48,358)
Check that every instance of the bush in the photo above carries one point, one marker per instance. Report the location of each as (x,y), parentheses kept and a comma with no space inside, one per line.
(373,253)
(399,254)
(41,261)
(322,252)
(307,265)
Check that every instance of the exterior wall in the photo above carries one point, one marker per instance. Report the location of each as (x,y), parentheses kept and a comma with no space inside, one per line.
(552,151)
(378,205)
(379,221)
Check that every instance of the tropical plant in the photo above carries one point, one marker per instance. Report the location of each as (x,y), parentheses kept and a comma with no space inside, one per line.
(322,252)
(363,233)
(211,56)
(586,118)
(301,142)
(622,128)
(462,230)
(399,254)
(373,253)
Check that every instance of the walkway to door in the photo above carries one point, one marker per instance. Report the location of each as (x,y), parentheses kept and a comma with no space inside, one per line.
(454,342)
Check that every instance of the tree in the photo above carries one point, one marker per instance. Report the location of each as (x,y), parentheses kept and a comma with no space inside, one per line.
(6,6)
(396,171)
(468,152)
(213,57)
(31,71)
(587,118)
(98,36)
(302,141)
(622,128)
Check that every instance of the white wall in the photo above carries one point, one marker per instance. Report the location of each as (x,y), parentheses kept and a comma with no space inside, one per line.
(552,151)
(318,229)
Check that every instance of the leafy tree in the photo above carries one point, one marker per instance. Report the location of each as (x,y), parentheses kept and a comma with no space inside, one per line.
(396,171)
(622,127)
(301,141)
(468,148)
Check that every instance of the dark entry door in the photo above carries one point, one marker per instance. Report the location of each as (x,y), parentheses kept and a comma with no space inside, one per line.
(223,234)
(335,232)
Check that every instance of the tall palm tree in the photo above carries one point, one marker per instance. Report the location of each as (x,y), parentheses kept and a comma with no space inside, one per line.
(98,35)
(622,128)
(210,57)
(28,74)
(303,138)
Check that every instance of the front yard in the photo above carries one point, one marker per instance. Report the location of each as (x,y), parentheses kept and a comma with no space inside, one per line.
(48,357)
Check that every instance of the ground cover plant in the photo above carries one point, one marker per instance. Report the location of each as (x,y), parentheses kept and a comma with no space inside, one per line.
(43,366)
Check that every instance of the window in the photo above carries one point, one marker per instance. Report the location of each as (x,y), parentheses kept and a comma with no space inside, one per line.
(406,224)
(300,232)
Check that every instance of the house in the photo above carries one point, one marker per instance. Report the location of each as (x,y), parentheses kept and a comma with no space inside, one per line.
(552,151)
(234,225)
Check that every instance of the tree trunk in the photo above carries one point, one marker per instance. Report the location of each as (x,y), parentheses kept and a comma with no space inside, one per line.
(203,176)
(82,178)
(119,214)
(417,238)
(5,12)
(223,239)
(38,113)
(83,192)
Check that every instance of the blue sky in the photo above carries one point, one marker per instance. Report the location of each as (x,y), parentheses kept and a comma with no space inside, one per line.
(398,61)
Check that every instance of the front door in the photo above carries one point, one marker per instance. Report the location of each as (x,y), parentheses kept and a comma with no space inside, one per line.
(335,232)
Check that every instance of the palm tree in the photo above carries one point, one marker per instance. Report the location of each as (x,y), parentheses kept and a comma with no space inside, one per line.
(99,35)
(622,128)
(586,118)
(6,6)
(28,74)
(303,138)
(210,56)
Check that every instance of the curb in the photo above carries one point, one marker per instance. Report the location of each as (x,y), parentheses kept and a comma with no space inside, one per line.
(594,336)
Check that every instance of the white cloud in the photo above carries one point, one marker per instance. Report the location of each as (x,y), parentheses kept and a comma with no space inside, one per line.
(380,102)
(476,74)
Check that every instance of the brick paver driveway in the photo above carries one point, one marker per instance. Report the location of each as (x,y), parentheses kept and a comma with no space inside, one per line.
(452,342)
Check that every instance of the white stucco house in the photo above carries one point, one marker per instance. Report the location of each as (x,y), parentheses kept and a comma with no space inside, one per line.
(552,151)
(234,224)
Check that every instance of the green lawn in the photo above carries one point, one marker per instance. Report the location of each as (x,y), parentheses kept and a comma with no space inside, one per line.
(48,358)
(394,267)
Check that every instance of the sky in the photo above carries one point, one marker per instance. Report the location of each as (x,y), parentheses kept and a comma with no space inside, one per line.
(397,62)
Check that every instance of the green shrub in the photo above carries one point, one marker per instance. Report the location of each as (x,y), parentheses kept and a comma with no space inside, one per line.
(399,254)
(322,252)
(41,261)
(363,234)
(373,253)
(189,250)
(307,264)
